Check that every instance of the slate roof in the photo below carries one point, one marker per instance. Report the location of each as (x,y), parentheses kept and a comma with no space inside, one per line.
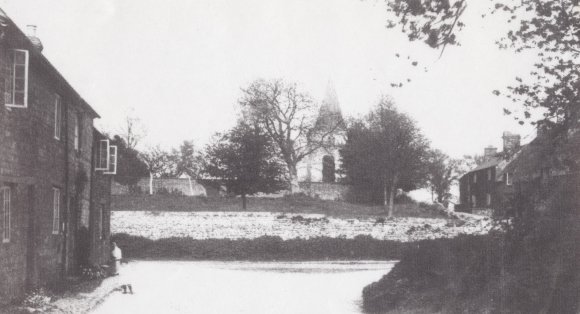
(6,24)
(544,153)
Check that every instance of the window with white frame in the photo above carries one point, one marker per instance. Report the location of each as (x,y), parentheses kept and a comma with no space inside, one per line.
(6,213)
(488,199)
(103,159)
(473,201)
(57,117)
(475,177)
(16,79)
(508,179)
(55,210)
(489,174)
(112,160)
(77,131)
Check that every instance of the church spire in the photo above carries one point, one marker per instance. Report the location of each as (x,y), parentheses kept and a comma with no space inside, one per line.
(330,101)
(330,115)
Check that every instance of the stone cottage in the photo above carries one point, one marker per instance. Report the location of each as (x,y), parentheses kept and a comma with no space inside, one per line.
(55,171)
(489,185)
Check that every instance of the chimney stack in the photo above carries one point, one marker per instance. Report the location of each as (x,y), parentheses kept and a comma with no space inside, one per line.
(511,142)
(31,34)
(489,152)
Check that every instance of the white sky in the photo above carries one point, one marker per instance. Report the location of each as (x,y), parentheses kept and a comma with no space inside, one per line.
(180,64)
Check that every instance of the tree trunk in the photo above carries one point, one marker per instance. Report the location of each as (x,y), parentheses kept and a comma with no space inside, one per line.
(294,186)
(244,201)
(150,183)
(392,190)
(386,195)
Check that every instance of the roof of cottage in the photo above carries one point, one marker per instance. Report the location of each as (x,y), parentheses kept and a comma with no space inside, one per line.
(8,26)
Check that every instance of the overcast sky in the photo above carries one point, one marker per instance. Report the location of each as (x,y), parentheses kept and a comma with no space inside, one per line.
(179,65)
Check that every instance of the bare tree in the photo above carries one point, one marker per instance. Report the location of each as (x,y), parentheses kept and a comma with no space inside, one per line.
(288,116)
(157,162)
(132,132)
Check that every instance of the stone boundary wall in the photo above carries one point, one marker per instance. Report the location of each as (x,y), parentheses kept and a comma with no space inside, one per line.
(162,185)
(325,190)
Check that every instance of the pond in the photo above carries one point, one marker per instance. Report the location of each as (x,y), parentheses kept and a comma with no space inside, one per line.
(243,287)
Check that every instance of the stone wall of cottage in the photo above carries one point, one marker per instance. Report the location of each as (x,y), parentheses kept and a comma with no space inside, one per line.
(32,163)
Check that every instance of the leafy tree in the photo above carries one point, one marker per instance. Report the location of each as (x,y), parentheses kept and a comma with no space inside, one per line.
(130,168)
(157,161)
(443,172)
(433,21)
(288,117)
(244,158)
(385,149)
(546,27)
(186,160)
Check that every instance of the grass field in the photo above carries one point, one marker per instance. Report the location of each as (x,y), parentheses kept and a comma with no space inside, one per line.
(289,204)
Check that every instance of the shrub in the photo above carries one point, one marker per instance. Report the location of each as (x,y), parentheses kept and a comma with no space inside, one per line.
(38,299)
(93,272)
(404,199)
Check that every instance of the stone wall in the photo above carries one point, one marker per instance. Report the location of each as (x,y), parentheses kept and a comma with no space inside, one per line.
(182,186)
(32,163)
(325,191)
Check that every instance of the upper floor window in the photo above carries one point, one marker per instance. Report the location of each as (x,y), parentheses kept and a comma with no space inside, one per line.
(55,210)
(475,177)
(57,117)
(508,179)
(16,81)
(489,174)
(6,213)
(77,131)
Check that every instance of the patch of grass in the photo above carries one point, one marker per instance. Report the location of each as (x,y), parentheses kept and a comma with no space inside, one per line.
(532,268)
(287,204)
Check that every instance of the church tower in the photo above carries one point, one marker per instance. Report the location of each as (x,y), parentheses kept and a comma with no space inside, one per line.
(322,165)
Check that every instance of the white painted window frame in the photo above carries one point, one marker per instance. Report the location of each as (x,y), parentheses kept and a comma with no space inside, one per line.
(57,117)
(112,160)
(77,132)
(488,199)
(99,164)
(508,179)
(26,70)
(6,213)
(56,198)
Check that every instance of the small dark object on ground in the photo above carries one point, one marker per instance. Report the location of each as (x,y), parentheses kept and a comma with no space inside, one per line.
(127,288)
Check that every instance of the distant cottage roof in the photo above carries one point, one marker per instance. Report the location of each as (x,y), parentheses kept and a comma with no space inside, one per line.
(499,162)
(491,162)
(543,153)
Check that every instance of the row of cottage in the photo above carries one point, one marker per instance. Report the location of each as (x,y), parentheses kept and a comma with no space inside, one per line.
(55,171)
(507,182)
